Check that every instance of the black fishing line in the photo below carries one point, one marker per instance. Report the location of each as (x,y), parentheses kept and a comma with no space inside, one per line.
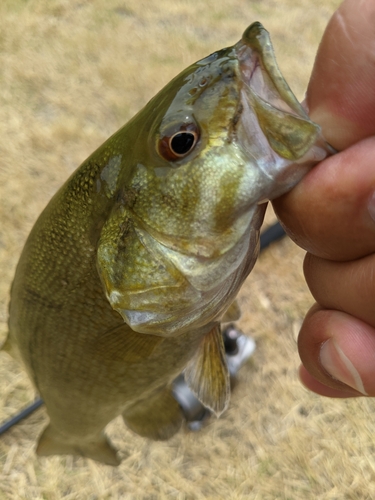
(21,415)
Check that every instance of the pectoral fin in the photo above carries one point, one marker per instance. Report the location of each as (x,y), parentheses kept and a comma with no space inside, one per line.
(51,442)
(207,373)
(124,345)
(159,417)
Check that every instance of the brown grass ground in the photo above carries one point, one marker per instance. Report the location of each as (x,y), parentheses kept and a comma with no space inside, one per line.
(72,72)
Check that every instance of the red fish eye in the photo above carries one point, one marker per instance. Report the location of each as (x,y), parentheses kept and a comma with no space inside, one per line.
(179,144)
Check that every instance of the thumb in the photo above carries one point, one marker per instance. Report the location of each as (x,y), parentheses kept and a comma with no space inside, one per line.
(340,95)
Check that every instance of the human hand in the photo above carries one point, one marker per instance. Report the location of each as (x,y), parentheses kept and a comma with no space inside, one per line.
(331,212)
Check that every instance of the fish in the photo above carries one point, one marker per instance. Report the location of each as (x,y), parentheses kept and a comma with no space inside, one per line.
(130,270)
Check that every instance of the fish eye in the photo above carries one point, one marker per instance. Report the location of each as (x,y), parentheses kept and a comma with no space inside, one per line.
(182,143)
(179,144)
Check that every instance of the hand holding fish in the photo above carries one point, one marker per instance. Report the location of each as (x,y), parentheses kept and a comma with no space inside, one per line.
(331,213)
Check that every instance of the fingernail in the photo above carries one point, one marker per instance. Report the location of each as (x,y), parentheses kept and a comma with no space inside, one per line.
(371,207)
(339,366)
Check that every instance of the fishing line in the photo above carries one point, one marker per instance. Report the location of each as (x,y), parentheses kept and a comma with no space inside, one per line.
(270,235)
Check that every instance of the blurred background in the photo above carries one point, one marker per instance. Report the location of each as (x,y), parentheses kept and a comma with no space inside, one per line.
(71,73)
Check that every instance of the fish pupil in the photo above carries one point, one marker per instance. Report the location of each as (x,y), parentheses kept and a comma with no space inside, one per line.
(182,143)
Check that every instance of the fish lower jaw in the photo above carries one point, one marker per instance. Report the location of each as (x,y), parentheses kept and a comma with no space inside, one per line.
(147,321)
(157,323)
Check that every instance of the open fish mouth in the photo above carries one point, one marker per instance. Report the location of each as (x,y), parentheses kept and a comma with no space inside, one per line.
(260,72)
(275,130)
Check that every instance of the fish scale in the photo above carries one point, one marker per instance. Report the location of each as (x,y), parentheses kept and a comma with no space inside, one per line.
(129,271)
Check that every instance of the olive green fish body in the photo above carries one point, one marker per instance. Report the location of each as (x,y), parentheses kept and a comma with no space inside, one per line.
(128,272)
(88,365)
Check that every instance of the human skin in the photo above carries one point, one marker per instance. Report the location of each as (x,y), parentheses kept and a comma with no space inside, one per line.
(331,212)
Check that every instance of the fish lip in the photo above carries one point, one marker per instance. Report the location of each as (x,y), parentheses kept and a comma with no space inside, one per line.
(247,58)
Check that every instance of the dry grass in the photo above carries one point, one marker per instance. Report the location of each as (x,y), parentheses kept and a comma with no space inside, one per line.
(73,71)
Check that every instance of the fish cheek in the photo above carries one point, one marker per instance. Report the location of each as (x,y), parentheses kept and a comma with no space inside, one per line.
(134,278)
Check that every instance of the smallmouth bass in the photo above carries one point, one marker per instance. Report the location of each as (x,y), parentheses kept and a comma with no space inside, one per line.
(132,266)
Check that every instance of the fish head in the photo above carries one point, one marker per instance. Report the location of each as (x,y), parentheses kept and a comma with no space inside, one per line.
(219,140)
